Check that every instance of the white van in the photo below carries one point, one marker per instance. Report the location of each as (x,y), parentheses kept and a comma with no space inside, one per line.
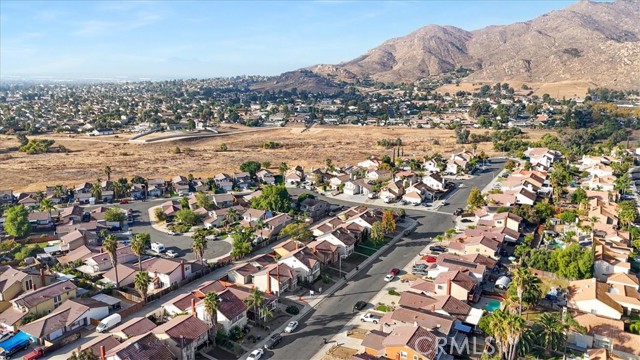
(157,247)
(108,323)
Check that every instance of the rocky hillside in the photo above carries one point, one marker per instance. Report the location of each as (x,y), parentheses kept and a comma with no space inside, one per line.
(595,42)
(302,80)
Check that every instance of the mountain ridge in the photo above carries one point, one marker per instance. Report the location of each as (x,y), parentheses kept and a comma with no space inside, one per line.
(597,42)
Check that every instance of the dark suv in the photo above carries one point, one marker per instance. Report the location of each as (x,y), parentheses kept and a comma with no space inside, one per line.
(273,341)
(438,248)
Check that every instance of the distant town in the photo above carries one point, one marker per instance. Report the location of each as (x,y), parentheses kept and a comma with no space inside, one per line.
(529,249)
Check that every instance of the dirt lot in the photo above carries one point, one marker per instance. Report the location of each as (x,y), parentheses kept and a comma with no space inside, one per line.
(202,158)
(558,90)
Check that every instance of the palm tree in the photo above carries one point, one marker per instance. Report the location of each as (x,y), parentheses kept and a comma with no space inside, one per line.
(255,301)
(198,247)
(211,306)
(140,242)
(110,244)
(516,327)
(527,287)
(58,191)
(47,205)
(231,216)
(107,171)
(141,282)
(96,190)
(119,189)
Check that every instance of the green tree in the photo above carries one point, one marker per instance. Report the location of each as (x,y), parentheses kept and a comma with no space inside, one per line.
(160,215)
(107,172)
(115,214)
(298,232)
(475,199)
(622,183)
(255,300)
(47,205)
(273,198)
(86,354)
(203,200)
(231,216)
(252,167)
(223,147)
(139,243)
(579,196)
(110,245)
(96,190)
(141,282)
(510,165)
(282,168)
(184,202)
(551,331)
(376,233)
(16,222)
(186,217)
(241,243)
(211,306)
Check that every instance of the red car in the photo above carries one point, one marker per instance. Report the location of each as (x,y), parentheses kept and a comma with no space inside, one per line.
(123,202)
(36,353)
(430,259)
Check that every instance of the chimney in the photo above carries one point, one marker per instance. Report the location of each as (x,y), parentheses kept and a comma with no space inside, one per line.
(103,353)
(42,280)
(433,308)
(278,275)
(448,286)
(193,307)
(184,276)
(268,282)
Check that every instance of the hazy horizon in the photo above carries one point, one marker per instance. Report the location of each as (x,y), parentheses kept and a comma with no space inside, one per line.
(133,41)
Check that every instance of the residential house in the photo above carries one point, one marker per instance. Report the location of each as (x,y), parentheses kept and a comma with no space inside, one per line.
(393,191)
(326,252)
(72,315)
(359,186)
(223,200)
(592,296)
(165,273)
(457,283)
(100,263)
(607,335)
(142,347)
(476,245)
(14,282)
(450,262)
(6,197)
(217,217)
(404,342)
(156,187)
(242,273)
(542,158)
(304,263)
(276,279)
(432,166)
(379,175)
(338,182)
(341,238)
(184,335)
(608,262)
(243,180)
(39,301)
(265,176)
(435,182)
(444,304)
(317,209)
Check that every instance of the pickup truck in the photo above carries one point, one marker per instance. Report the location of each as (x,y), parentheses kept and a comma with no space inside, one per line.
(369,317)
(36,353)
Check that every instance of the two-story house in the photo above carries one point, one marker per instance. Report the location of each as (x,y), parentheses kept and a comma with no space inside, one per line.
(304,263)
(317,209)
(184,335)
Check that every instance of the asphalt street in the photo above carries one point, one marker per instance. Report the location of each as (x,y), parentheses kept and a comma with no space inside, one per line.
(179,243)
(330,316)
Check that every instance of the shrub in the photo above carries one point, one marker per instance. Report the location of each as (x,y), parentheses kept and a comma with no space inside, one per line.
(394,292)
(293,310)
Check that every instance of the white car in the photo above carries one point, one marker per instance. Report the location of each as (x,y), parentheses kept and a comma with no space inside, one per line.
(291,327)
(256,354)
(172,253)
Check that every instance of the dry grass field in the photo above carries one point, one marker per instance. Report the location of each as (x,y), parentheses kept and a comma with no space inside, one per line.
(202,158)
(558,90)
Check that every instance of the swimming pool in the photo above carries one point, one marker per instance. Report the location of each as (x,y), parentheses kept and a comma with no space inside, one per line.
(16,339)
(492,305)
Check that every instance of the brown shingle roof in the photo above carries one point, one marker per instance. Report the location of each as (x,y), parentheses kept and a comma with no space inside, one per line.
(136,326)
(33,298)
(148,347)
(183,329)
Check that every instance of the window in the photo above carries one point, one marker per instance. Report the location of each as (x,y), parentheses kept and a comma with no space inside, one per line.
(57,299)
(403,355)
(29,284)
(415,357)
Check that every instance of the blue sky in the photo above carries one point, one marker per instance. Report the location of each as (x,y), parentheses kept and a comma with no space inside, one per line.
(177,39)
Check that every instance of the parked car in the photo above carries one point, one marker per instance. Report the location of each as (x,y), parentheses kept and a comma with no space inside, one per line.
(359,305)
(466,220)
(457,212)
(291,327)
(444,203)
(36,353)
(123,202)
(438,248)
(369,317)
(256,354)
(430,259)
(273,341)
(108,323)
(172,253)
(392,275)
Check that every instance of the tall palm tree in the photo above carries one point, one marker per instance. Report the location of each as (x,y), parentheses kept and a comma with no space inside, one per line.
(140,242)
(39,196)
(141,282)
(119,189)
(211,306)
(255,301)
(110,244)
(107,171)
(198,247)
(527,287)
(516,327)
(58,191)
(47,205)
